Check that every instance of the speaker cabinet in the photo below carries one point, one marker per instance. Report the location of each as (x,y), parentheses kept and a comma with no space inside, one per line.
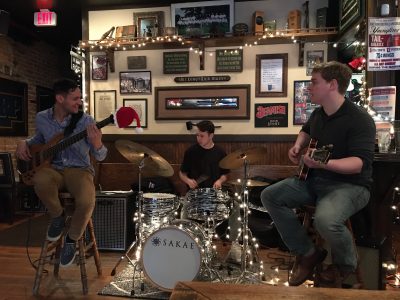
(258,22)
(113,220)
(322,17)
(4,22)
(370,263)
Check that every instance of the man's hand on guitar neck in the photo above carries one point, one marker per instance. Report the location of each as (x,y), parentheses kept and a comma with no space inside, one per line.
(94,136)
(22,151)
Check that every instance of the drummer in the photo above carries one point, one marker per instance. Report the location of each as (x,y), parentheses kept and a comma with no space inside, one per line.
(200,167)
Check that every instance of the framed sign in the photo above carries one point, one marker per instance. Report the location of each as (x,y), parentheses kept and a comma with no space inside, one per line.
(203,102)
(351,11)
(136,62)
(229,60)
(176,62)
(104,104)
(271,75)
(140,106)
(135,82)
(302,107)
(99,67)
(203,19)
(13,108)
(271,115)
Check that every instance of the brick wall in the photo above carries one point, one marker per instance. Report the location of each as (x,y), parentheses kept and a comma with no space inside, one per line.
(37,64)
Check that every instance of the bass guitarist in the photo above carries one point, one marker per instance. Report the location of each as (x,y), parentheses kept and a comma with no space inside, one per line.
(70,169)
(337,189)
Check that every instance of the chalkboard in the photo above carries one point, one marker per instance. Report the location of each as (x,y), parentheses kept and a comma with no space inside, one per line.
(229,60)
(13,108)
(176,62)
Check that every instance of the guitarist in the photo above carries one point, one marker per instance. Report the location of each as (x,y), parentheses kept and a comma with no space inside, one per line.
(70,169)
(338,189)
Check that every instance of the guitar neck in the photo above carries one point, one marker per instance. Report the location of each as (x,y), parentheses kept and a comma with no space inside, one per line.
(65,143)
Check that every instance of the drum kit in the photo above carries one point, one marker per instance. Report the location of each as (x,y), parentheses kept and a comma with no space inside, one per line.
(168,249)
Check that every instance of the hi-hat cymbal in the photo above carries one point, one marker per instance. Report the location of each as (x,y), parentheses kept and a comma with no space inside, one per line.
(249,183)
(154,164)
(237,158)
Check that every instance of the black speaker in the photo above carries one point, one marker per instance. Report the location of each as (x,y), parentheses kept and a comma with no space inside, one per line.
(4,22)
(113,220)
(321,20)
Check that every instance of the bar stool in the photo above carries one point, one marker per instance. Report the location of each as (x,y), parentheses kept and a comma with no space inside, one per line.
(85,249)
(309,212)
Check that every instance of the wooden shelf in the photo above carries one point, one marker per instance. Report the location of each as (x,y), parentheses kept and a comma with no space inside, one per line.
(176,42)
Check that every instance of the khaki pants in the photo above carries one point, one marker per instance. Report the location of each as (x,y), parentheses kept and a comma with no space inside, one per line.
(79,183)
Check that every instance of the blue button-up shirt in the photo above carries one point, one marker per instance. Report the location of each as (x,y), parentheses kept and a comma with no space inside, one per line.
(74,156)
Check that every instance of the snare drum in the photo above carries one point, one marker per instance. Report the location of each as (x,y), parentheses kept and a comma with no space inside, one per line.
(173,253)
(207,202)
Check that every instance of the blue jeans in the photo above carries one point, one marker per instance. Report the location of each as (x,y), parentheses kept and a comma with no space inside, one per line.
(335,202)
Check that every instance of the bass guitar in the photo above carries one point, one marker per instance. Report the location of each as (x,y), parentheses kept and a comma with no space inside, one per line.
(42,154)
(321,155)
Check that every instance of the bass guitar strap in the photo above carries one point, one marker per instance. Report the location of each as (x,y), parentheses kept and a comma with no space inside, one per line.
(72,124)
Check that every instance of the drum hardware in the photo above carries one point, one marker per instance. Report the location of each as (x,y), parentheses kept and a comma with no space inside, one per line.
(236,160)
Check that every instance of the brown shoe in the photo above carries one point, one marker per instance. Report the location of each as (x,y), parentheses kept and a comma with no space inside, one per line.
(333,277)
(304,266)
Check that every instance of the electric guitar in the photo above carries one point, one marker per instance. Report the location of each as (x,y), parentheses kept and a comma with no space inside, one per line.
(42,154)
(318,154)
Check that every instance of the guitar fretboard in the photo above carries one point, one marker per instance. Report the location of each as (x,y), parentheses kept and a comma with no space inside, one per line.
(65,143)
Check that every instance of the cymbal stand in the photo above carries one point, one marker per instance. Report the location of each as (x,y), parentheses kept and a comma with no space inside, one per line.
(134,248)
(246,275)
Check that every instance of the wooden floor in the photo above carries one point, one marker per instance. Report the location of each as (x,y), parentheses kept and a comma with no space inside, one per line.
(17,277)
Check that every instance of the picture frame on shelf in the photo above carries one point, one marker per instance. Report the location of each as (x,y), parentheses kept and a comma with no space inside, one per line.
(313,57)
(105,104)
(203,19)
(271,75)
(140,106)
(99,67)
(149,24)
(229,102)
(135,82)
(302,105)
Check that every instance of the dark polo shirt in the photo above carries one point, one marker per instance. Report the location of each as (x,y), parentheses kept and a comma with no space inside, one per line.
(351,131)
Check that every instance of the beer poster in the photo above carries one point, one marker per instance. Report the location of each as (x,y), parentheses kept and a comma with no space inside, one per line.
(383,44)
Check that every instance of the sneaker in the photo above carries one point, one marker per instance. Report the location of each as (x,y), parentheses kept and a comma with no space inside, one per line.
(56,228)
(68,253)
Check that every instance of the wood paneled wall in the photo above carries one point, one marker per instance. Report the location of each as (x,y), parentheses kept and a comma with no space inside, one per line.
(115,172)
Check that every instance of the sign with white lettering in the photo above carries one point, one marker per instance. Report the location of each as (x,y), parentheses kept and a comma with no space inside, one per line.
(229,60)
(383,44)
(44,17)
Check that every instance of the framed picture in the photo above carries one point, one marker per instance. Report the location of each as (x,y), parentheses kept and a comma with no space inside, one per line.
(136,62)
(312,58)
(203,19)
(140,106)
(271,115)
(351,11)
(13,108)
(271,75)
(104,104)
(302,107)
(229,60)
(99,67)
(230,102)
(135,82)
(149,24)
(176,62)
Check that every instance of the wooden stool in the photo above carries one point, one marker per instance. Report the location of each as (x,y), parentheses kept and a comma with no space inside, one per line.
(309,212)
(85,250)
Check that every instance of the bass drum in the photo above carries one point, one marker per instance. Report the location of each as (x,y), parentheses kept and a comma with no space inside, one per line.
(173,253)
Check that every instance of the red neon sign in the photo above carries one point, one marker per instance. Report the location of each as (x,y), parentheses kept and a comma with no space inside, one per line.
(45,18)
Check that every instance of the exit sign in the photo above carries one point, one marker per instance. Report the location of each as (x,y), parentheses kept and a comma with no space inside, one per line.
(45,18)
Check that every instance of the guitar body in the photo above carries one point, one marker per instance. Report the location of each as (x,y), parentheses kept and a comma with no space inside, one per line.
(318,154)
(303,169)
(28,169)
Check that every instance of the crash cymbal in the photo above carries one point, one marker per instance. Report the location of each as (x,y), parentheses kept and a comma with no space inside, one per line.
(154,164)
(249,182)
(236,159)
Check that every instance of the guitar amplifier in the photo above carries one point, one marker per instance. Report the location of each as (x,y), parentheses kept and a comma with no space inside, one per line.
(113,220)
